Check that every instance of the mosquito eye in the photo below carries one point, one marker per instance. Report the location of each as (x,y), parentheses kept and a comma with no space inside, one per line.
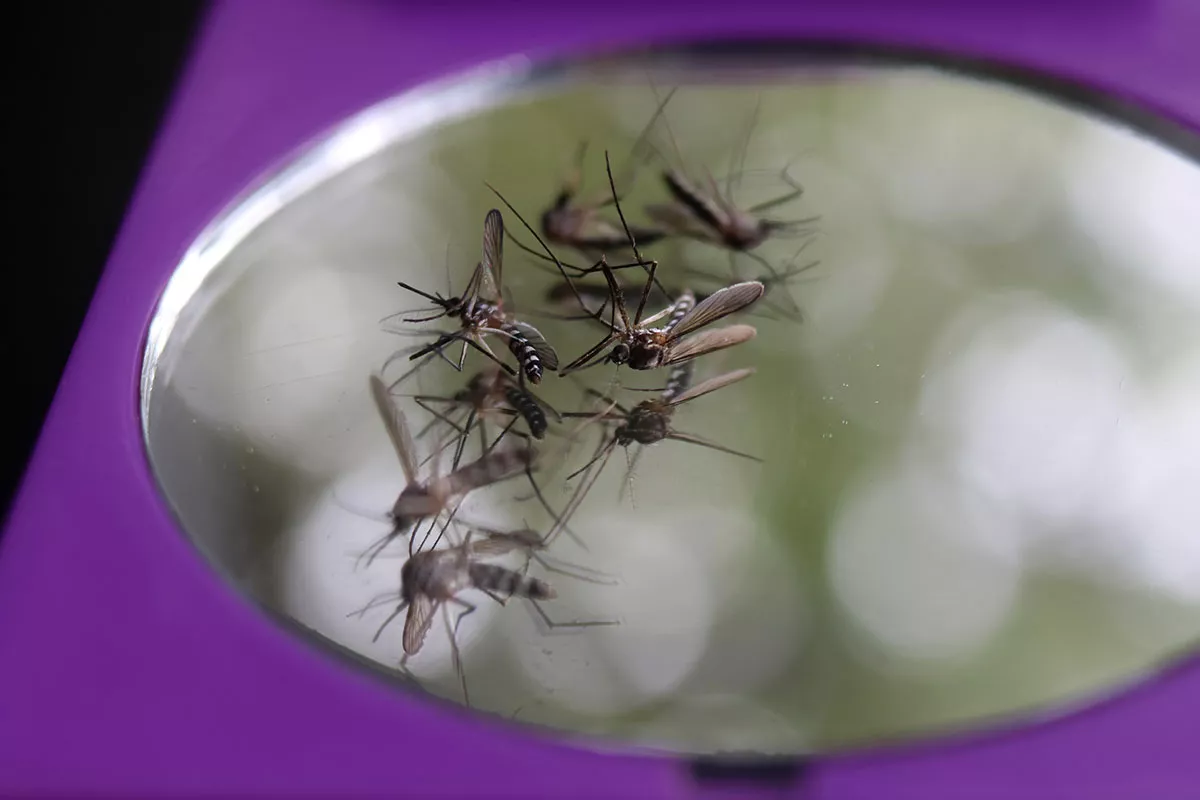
(620,354)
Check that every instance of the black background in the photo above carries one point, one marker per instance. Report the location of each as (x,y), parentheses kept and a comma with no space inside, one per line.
(89,84)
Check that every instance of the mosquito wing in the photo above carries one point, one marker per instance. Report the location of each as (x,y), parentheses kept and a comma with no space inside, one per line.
(416,624)
(712,384)
(709,342)
(493,255)
(680,221)
(397,428)
(719,304)
(499,543)
(545,352)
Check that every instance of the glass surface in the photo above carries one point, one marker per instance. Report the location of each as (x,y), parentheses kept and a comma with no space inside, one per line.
(973,502)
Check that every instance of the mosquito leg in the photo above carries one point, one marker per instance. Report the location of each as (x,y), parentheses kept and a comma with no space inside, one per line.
(776,280)
(484,449)
(553,625)
(412,371)
(438,416)
(436,345)
(574,571)
(559,523)
(582,361)
(455,655)
(498,598)
(503,431)
(462,439)
(483,348)
(776,201)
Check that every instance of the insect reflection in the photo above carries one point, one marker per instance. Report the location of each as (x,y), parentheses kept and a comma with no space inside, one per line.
(647,423)
(434,579)
(420,500)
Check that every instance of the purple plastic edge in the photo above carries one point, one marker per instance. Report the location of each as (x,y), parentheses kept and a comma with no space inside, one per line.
(131,668)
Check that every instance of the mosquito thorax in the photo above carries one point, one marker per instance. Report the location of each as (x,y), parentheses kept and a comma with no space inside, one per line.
(646,424)
(554,227)
(646,355)
(479,386)
(746,234)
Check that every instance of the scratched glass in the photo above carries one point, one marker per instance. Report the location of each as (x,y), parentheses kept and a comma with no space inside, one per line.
(976,503)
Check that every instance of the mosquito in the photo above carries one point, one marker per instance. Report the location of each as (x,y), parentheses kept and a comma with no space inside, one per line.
(433,579)
(633,339)
(647,423)
(480,311)
(420,500)
(579,224)
(490,394)
(703,212)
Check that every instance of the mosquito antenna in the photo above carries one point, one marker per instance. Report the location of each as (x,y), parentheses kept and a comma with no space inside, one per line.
(413,539)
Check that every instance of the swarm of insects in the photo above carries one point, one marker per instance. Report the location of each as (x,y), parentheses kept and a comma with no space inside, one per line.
(644,326)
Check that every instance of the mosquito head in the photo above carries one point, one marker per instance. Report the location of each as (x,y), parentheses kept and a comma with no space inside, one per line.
(410,577)
(554,222)
(619,354)
(453,306)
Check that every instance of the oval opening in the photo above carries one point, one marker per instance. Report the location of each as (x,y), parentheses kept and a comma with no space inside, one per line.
(977,376)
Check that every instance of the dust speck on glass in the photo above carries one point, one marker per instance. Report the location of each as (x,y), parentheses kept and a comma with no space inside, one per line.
(936,471)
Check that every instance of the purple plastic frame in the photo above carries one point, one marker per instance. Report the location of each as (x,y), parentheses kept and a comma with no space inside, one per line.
(130,667)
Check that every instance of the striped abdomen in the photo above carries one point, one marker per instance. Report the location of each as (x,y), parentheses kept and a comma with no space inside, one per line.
(524,404)
(685,303)
(527,356)
(498,465)
(680,377)
(678,380)
(507,583)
